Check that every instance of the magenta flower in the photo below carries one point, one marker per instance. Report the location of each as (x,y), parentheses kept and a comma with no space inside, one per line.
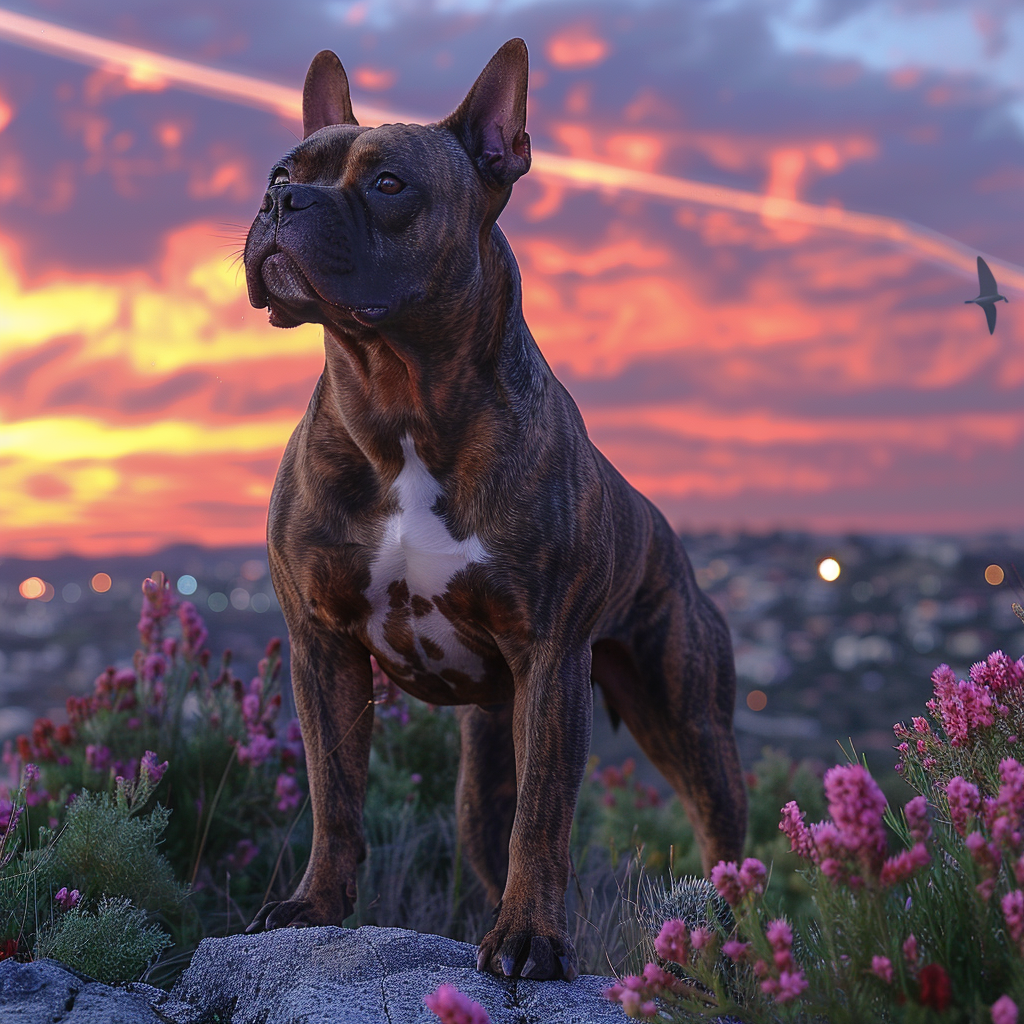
(1004,1011)
(701,938)
(1013,910)
(791,984)
(964,802)
(962,707)
(792,824)
(258,750)
(898,869)
(752,875)
(452,1007)
(31,773)
(10,815)
(152,766)
(857,805)
(245,852)
(735,950)
(882,966)
(916,813)
(98,758)
(287,792)
(998,672)
(910,949)
(673,941)
(725,876)
(67,900)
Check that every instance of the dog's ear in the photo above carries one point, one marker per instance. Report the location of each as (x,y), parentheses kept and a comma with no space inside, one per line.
(325,98)
(491,121)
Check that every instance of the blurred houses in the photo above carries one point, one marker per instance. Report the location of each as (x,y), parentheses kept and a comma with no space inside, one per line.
(817,661)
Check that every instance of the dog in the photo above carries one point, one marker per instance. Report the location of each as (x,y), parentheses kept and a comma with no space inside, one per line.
(441,507)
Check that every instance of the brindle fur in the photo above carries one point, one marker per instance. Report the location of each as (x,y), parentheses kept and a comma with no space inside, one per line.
(585,583)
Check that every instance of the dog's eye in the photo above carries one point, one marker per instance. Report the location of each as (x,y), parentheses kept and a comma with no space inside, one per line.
(279,177)
(388,184)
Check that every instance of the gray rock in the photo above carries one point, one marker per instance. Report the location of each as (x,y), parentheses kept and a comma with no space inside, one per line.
(46,992)
(367,976)
(302,976)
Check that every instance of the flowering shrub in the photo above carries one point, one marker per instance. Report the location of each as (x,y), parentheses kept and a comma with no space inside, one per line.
(214,750)
(918,913)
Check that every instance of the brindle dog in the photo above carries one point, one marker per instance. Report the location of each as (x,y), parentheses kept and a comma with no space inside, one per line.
(441,507)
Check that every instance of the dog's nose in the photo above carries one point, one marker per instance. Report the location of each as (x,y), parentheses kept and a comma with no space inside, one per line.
(290,198)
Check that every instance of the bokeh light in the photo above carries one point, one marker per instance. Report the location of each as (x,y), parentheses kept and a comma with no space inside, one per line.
(217,601)
(757,700)
(32,588)
(187,584)
(994,574)
(71,592)
(100,582)
(828,569)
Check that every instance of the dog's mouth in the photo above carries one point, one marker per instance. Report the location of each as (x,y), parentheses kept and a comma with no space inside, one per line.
(290,292)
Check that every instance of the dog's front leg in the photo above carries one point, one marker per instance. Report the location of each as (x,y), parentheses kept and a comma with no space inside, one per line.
(551,732)
(333,685)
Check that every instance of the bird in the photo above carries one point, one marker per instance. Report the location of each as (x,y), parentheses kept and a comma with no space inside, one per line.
(988,294)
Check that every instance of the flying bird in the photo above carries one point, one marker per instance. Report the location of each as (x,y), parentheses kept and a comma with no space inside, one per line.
(988,294)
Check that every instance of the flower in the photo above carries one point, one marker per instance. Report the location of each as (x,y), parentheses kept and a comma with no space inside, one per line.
(800,839)
(882,966)
(67,900)
(656,978)
(934,990)
(287,792)
(725,876)
(701,938)
(97,757)
(899,868)
(31,773)
(964,802)
(452,1007)
(998,672)
(151,767)
(1013,910)
(910,949)
(791,984)
(258,750)
(1004,1011)
(245,852)
(856,805)
(735,950)
(916,813)
(672,942)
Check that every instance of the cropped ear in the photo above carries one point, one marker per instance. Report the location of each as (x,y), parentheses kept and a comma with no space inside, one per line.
(325,98)
(491,121)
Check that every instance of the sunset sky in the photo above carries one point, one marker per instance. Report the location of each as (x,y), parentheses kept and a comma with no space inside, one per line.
(750,275)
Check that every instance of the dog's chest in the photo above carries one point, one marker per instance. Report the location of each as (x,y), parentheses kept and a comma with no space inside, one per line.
(412,567)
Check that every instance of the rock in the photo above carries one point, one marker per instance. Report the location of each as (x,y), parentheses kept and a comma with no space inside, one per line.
(46,992)
(367,976)
(302,976)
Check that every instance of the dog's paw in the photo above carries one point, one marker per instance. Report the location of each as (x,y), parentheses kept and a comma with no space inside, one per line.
(524,954)
(297,913)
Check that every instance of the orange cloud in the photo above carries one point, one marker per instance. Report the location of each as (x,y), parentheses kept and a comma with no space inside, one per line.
(575,47)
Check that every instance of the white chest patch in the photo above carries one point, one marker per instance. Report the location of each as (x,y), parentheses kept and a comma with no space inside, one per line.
(416,547)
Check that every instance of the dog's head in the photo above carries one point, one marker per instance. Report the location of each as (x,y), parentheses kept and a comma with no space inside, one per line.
(364,226)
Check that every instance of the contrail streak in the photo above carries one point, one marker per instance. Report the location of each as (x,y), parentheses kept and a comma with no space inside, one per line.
(156,70)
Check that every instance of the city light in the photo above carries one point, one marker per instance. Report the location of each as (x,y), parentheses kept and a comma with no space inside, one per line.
(994,574)
(32,588)
(828,569)
(187,584)
(757,700)
(71,592)
(100,583)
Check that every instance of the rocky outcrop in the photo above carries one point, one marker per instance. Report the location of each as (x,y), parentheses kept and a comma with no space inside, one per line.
(303,976)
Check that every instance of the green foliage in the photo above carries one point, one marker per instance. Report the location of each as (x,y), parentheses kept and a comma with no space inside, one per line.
(113,944)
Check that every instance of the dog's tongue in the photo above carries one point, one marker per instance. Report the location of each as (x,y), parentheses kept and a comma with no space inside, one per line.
(283,278)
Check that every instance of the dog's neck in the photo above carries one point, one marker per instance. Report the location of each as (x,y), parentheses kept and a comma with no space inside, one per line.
(379,387)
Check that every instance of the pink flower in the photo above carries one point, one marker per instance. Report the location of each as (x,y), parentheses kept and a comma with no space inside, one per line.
(193,630)
(961,706)
(1004,1011)
(964,802)
(97,757)
(725,876)
(656,979)
(287,792)
(916,813)
(998,672)
(882,966)
(672,942)
(735,950)
(258,750)
(791,984)
(700,938)
(910,949)
(67,900)
(452,1007)
(31,773)
(752,876)
(921,726)
(792,824)
(152,766)
(856,805)
(1013,910)
(779,934)
(899,868)
(245,852)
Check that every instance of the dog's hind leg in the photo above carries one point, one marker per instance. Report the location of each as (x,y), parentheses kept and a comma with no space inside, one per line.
(485,795)
(675,688)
